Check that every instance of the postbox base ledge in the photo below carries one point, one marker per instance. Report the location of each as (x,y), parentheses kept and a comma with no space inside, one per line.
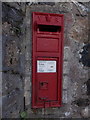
(47,106)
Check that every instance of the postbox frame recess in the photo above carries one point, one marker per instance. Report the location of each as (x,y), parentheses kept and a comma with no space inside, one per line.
(47,59)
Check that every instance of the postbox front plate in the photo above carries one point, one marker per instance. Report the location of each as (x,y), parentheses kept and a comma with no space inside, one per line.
(47,57)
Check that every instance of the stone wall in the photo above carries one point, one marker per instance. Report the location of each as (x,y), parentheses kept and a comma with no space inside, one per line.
(17,60)
(0,60)
(13,33)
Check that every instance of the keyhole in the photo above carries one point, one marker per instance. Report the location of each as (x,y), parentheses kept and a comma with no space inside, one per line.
(42,84)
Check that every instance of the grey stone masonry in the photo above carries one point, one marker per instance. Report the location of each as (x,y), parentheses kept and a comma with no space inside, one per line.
(17,60)
(0,60)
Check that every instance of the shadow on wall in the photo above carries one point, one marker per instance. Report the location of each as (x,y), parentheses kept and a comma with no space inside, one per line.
(85,59)
(88,87)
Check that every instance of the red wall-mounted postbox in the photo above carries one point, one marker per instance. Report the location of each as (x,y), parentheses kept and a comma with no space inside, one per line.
(47,59)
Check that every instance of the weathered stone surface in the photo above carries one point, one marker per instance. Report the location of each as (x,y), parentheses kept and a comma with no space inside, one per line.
(47,3)
(11,15)
(66,68)
(66,53)
(14,5)
(11,104)
(85,112)
(82,102)
(65,82)
(12,69)
(0,106)
(80,30)
(65,96)
(84,89)
(17,56)
(10,83)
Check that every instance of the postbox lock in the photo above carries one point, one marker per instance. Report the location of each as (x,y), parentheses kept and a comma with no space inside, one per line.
(42,83)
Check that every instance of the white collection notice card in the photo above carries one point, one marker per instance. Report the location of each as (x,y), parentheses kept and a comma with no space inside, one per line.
(46,66)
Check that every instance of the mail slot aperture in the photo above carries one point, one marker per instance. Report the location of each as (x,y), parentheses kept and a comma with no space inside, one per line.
(48,28)
(47,60)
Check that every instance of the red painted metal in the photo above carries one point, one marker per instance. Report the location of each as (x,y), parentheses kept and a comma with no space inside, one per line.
(47,46)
